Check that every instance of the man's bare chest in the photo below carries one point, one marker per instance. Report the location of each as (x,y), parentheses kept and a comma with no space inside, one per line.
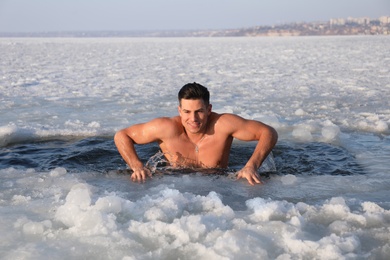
(209,152)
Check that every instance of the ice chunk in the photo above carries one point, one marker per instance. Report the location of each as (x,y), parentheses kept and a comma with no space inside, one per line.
(330,132)
(57,172)
(79,196)
(109,204)
(302,134)
(33,228)
(381,126)
(300,112)
(20,199)
(72,213)
(94,124)
(11,134)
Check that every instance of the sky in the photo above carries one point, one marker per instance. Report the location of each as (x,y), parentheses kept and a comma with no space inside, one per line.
(140,15)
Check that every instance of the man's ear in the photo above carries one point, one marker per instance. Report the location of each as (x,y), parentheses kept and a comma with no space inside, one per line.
(209,109)
(179,109)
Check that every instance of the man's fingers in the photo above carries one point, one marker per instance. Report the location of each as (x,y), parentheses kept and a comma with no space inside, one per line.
(257,179)
(141,175)
(251,178)
(134,177)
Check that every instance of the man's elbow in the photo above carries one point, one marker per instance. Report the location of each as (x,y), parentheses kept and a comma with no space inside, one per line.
(273,135)
(118,137)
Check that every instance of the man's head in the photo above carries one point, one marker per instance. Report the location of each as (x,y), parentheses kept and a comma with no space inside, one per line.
(194,107)
(194,91)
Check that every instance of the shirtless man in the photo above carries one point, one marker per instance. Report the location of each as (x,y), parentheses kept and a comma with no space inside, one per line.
(197,138)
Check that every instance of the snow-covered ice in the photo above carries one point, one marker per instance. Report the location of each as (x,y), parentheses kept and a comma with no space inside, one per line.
(61,196)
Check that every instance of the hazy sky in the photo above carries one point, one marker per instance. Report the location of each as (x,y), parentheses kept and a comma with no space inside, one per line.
(81,15)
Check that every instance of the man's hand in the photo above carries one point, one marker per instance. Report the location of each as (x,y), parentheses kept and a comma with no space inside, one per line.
(140,174)
(250,174)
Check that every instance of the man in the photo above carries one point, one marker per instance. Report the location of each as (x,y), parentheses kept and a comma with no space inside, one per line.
(197,138)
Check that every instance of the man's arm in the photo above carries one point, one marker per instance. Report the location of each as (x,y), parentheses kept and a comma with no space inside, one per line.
(137,134)
(251,130)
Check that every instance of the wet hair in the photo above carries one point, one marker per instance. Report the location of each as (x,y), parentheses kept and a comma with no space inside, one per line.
(194,91)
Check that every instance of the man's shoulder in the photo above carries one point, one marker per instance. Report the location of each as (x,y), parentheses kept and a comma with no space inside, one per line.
(226,122)
(166,121)
(225,117)
(166,124)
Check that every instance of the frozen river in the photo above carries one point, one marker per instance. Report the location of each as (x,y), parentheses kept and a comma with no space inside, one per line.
(65,192)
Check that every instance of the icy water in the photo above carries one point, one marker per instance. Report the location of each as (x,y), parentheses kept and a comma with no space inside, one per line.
(65,192)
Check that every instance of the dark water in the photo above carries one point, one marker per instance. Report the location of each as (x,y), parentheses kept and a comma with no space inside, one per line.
(99,154)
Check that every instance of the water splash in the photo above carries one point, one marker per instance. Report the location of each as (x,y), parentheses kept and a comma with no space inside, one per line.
(156,162)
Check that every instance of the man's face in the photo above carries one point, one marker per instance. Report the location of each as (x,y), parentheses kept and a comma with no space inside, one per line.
(194,114)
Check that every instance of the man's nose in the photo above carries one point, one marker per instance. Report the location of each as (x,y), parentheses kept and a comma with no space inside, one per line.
(194,117)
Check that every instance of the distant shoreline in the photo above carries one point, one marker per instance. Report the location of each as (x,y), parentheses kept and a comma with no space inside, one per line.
(350,26)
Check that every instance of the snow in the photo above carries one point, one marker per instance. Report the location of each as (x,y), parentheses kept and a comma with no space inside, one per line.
(316,89)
